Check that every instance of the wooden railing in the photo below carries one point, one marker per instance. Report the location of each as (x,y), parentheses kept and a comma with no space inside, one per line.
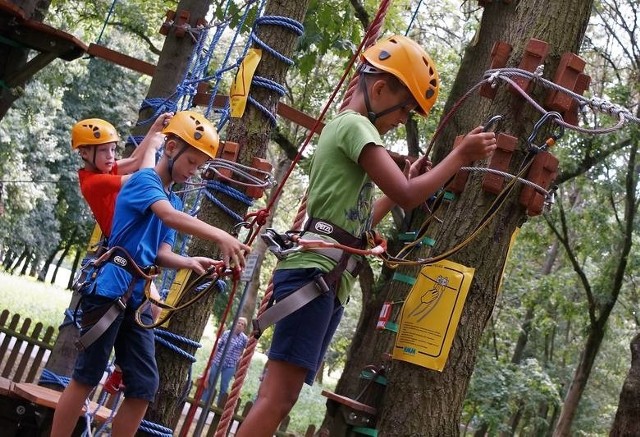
(24,352)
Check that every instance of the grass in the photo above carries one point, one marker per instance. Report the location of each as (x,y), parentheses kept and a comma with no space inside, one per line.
(46,303)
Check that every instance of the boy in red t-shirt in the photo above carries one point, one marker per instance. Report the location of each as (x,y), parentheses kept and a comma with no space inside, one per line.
(102,175)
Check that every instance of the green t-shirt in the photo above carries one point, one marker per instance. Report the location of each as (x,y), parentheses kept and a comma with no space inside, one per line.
(340,191)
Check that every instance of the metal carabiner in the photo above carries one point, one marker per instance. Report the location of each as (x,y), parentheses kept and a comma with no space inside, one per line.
(280,244)
(492,123)
(536,129)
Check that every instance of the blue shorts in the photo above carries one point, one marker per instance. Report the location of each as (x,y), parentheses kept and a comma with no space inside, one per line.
(302,337)
(134,350)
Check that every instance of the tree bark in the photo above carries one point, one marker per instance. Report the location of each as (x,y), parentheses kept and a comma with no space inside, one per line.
(626,422)
(252,131)
(440,395)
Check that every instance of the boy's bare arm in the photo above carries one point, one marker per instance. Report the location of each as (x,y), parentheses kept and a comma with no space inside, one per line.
(384,204)
(144,156)
(171,260)
(232,249)
(410,193)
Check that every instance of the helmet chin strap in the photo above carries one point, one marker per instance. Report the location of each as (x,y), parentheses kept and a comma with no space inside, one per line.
(373,116)
(171,161)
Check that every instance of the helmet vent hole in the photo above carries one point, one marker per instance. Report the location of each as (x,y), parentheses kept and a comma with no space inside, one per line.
(429,93)
(96,132)
(384,55)
(433,83)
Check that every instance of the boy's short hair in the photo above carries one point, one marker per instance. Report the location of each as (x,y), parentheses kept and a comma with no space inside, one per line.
(394,83)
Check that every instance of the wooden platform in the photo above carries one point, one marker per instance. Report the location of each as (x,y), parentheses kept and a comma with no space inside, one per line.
(5,386)
(49,398)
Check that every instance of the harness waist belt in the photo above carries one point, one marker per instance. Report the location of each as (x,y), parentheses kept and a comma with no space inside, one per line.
(302,296)
(103,317)
(325,227)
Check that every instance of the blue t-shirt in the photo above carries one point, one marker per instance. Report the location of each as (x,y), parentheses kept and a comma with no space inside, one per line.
(138,230)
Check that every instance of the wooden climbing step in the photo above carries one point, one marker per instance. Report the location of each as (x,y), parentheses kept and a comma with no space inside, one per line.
(354,405)
(49,398)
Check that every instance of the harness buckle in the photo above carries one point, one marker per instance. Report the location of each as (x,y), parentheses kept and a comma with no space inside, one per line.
(321,283)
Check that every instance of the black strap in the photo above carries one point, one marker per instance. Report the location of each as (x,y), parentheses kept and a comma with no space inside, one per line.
(325,227)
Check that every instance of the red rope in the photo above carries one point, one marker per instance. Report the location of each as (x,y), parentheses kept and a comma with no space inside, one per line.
(369,40)
(200,388)
(370,36)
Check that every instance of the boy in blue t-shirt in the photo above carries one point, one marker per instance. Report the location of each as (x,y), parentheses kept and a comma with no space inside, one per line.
(147,216)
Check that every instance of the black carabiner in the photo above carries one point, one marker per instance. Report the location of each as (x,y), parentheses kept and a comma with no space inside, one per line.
(551,115)
(492,123)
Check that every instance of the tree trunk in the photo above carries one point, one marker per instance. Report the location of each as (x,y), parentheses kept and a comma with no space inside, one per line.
(579,382)
(42,275)
(440,395)
(173,63)
(27,260)
(252,131)
(626,422)
(20,259)
(13,59)
(74,268)
(63,255)
(259,249)
(600,309)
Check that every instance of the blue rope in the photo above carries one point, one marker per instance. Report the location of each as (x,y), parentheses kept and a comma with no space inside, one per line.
(269,84)
(155,429)
(415,13)
(106,21)
(229,191)
(163,337)
(49,377)
(238,218)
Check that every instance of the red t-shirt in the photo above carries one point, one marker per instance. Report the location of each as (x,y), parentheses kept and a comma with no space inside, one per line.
(100,191)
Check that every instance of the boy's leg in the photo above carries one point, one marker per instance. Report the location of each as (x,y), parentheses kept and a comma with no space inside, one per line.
(278,393)
(129,416)
(69,408)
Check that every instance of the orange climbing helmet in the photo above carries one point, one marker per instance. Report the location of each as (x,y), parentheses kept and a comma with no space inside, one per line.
(91,132)
(407,61)
(195,130)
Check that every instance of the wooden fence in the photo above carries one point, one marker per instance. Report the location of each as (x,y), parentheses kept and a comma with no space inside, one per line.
(24,353)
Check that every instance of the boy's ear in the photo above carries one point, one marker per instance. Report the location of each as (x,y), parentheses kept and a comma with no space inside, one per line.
(84,152)
(170,145)
(377,87)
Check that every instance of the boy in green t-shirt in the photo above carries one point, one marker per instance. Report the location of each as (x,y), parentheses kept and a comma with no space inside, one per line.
(396,77)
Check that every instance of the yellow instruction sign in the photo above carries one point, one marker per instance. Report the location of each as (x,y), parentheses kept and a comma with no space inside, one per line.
(431,313)
(239,92)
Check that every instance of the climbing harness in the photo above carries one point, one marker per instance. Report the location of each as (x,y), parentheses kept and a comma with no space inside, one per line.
(345,253)
(103,317)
